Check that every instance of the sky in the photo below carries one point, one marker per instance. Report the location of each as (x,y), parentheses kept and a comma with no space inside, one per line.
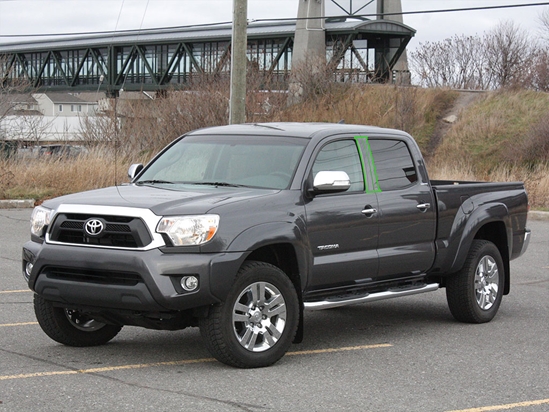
(24,17)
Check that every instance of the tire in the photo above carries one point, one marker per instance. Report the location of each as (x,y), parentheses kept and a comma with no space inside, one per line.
(475,292)
(70,327)
(257,323)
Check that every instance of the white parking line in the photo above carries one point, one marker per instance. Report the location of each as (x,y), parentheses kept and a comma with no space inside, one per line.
(179,362)
(506,407)
(5,325)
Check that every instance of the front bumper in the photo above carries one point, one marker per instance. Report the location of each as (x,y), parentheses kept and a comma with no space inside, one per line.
(144,281)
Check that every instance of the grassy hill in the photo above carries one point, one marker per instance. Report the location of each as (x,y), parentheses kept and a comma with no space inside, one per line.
(496,136)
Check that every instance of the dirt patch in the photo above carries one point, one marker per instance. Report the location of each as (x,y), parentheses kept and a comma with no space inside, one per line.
(445,123)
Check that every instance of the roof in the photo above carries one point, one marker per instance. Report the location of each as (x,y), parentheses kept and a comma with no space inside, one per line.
(289,129)
(221,32)
(19,98)
(64,98)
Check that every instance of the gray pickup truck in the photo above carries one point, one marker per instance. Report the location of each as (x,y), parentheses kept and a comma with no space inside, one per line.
(239,229)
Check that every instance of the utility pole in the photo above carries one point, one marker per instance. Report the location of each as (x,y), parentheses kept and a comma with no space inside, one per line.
(239,45)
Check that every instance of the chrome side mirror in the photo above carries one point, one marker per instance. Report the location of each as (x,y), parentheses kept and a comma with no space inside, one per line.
(331,182)
(134,170)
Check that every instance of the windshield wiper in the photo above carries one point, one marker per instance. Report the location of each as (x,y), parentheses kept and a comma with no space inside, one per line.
(152,182)
(224,184)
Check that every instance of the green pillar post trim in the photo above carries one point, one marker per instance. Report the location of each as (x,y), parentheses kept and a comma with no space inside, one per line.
(368,164)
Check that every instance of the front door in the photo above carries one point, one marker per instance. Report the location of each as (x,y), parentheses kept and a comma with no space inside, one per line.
(342,227)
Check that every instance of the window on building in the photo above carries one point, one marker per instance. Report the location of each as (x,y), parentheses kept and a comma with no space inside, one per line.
(60,107)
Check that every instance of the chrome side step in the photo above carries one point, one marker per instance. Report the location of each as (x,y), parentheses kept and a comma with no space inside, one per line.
(371,297)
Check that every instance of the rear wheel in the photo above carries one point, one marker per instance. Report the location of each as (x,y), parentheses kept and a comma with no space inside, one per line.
(475,292)
(257,323)
(71,327)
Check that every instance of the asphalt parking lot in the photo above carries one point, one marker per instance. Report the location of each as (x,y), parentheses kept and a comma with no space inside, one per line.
(406,354)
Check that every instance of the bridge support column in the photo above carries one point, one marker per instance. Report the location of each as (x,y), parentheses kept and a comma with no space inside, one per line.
(400,69)
(309,42)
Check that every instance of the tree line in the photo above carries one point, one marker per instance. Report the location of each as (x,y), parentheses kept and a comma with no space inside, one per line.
(504,57)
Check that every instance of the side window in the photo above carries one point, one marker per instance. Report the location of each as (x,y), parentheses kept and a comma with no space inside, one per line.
(393,164)
(341,155)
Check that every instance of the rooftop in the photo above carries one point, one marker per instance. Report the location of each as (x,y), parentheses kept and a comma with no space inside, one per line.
(216,32)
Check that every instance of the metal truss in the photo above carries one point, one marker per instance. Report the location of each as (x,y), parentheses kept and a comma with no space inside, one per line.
(160,65)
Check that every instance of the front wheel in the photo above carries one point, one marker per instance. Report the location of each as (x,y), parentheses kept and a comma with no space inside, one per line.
(475,292)
(257,323)
(70,327)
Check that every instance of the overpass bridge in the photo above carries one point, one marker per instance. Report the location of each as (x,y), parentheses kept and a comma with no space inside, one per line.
(358,50)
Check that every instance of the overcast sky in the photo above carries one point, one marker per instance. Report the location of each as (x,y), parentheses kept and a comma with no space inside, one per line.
(19,17)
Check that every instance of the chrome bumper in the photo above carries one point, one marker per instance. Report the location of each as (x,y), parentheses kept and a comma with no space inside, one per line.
(527,235)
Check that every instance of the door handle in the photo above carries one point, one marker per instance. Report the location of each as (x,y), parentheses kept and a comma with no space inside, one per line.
(423,206)
(369,211)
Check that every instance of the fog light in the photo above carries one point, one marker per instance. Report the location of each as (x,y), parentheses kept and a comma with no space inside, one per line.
(28,270)
(189,283)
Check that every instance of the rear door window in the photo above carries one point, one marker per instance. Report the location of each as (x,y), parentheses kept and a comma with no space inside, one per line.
(390,163)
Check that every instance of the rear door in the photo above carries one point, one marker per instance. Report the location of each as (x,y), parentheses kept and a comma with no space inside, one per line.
(406,207)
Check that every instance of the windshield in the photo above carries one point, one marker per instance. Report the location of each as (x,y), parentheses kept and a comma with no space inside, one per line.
(254,161)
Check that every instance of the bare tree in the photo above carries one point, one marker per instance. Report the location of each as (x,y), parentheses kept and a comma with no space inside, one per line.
(544,21)
(458,62)
(510,54)
(503,57)
(9,87)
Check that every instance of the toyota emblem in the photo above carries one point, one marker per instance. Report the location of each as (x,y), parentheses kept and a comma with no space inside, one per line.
(94,227)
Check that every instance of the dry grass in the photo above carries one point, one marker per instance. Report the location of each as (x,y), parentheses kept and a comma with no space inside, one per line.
(493,140)
(535,180)
(493,129)
(46,178)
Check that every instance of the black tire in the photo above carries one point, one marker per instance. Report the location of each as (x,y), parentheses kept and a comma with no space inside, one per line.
(71,328)
(475,292)
(257,323)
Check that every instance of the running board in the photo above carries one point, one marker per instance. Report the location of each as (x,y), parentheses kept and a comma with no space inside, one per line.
(371,297)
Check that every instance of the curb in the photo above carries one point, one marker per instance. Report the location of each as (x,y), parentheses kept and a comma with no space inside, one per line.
(16,204)
(535,215)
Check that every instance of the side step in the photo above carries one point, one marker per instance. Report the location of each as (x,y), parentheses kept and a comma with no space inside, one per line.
(370,297)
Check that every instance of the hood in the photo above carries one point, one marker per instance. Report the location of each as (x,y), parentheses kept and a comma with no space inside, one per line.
(161,200)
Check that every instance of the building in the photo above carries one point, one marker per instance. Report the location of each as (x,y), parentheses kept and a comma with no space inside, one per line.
(44,117)
(357,50)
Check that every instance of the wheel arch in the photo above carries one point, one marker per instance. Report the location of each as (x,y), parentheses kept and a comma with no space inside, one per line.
(284,256)
(493,228)
(283,245)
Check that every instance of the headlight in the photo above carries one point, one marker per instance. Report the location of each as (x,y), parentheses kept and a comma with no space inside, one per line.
(189,230)
(40,219)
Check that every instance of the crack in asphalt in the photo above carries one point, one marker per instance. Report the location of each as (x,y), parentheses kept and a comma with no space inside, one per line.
(15,219)
(242,406)
(10,259)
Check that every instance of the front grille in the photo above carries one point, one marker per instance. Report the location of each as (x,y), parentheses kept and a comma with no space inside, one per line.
(93,276)
(119,231)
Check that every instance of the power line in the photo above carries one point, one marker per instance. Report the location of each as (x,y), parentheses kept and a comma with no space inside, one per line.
(89,33)
(508,6)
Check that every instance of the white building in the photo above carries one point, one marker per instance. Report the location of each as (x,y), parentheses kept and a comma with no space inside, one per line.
(45,117)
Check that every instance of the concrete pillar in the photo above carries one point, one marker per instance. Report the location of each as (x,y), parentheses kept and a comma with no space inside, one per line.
(402,73)
(310,36)
(309,45)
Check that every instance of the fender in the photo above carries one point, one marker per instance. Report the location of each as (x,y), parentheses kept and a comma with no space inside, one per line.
(484,214)
(268,234)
